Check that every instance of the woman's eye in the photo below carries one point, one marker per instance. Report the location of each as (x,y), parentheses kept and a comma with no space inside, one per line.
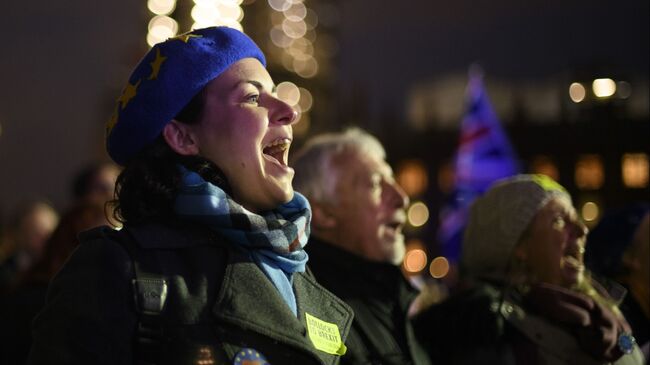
(253,98)
(559,223)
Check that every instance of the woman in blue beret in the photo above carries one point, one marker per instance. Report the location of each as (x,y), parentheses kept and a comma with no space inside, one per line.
(209,267)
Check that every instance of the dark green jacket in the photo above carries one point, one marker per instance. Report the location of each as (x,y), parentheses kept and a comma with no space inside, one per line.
(380,297)
(485,325)
(195,298)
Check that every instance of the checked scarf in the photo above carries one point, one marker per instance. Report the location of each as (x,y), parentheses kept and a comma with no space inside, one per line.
(274,239)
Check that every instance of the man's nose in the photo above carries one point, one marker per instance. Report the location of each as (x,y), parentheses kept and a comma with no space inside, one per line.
(397,195)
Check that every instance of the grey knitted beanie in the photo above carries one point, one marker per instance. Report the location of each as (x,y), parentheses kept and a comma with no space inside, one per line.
(498,219)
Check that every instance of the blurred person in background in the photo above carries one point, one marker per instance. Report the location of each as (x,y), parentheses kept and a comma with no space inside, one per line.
(95,182)
(619,250)
(209,267)
(528,298)
(357,244)
(27,232)
(27,295)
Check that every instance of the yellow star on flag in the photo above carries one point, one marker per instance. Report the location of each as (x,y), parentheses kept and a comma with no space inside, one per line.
(129,93)
(186,37)
(155,64)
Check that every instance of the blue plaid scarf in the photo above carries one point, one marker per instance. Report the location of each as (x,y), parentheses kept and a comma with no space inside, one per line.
(274,239)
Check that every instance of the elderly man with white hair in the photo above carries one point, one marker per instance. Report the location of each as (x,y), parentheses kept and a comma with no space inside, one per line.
(357,244)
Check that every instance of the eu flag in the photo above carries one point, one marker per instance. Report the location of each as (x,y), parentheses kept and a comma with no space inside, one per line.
(484,155)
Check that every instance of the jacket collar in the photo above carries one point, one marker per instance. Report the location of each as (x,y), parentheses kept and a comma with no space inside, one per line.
(244,284)
(177,235)
(362,277)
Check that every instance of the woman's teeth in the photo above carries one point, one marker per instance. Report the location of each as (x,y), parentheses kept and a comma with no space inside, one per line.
(572,262)
(277,148)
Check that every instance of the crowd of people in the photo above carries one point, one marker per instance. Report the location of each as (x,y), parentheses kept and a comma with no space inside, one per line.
(200,246)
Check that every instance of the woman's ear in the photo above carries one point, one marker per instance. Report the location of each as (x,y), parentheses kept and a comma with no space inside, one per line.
(180,138)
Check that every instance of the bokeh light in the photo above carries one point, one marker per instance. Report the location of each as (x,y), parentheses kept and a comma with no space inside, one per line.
(279,5)
(412,177)
(603,88)
(205,13)
(590,211)
(161,7)
(589,172)
(635,170)
(288,92)
(301,127)
(307,68)
(293,29)
(623,89)
(415,260)
(439,267)
(279,38)
(544,165)
(161,28)
(577,92)
(418,214)
(306,100)
(296,12)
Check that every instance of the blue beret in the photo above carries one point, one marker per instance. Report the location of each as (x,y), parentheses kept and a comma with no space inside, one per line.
(165,81)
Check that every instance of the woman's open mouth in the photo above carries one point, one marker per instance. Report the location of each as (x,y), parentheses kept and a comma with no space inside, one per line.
(278,151)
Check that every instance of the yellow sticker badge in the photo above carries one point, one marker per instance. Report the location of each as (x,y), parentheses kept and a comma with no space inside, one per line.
(325,336)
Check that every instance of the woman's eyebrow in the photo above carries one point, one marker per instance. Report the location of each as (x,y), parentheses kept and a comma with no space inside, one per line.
(259,85)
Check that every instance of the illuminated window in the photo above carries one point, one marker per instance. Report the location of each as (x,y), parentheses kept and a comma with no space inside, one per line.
(545,166)
(412,177)
(589,172)
(634,168)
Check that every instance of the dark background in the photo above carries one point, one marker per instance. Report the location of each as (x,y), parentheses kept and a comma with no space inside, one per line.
(63,63)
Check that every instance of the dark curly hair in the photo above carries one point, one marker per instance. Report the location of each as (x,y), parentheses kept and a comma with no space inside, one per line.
(147,186)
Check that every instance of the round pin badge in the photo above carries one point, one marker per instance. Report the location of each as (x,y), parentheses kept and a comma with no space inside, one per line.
(249,356)
(626,343)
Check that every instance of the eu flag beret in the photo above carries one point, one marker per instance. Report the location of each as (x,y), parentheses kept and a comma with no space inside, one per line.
(165,81)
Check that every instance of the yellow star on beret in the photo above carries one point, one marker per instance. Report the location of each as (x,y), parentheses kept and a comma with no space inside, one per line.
(129,93)
(155,65)
(186,37)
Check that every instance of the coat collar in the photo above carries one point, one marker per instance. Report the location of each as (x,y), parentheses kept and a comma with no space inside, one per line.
(178,235)
(244,284)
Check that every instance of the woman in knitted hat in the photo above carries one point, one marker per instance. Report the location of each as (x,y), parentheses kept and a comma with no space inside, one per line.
(209,267)
(530,300)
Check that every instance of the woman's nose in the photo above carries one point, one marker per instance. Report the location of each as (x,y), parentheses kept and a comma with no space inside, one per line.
(579,229)
(282,113)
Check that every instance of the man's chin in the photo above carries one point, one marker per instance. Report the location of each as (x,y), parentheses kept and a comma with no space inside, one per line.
(397,253)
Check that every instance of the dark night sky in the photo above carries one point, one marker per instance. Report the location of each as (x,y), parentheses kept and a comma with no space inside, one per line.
(62,61)
(390,45)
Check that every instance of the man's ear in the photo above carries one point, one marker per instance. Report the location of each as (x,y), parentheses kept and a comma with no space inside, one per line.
(180,138)
(321,218)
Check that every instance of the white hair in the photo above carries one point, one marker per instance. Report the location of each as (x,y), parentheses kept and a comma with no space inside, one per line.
(316,173)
